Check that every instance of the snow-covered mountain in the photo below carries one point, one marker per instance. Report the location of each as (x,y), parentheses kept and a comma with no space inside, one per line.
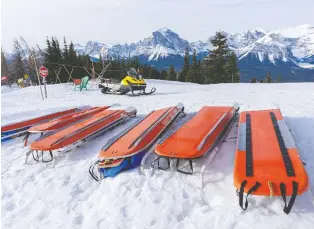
(292,43)
(282,51)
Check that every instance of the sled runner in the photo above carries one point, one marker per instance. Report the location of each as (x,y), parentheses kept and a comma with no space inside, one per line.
(17,129)
(64,121)
(77,134)
(267,161)
(127,150)
(195,138)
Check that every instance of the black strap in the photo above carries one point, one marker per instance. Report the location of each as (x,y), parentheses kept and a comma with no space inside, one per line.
(283,149)
(42,157)
(251,190)
(91,170)
(249,154)
(295,186)
(36,158)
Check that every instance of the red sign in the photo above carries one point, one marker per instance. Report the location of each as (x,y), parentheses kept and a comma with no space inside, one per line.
(4,78)
(43,72)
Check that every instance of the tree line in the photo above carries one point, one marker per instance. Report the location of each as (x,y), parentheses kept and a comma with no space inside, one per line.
(268,79)
(220,66)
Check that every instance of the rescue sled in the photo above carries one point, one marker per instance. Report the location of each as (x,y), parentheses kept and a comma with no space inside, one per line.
(132,82)
(267,162)
(77,134)
(64,121)
(17,129)
(127,150)
(195,138)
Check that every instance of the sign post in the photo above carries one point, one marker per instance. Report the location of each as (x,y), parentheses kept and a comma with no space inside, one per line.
(43,72)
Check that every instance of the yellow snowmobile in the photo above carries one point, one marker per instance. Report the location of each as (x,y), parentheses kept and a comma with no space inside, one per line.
(132,82)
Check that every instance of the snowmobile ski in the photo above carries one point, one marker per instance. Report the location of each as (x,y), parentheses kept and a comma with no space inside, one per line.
(17,129)
(126,150)
(64,121)
(267,161)
(77,134)
(195,138)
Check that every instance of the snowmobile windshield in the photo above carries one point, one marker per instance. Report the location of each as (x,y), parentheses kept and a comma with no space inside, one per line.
(133,72)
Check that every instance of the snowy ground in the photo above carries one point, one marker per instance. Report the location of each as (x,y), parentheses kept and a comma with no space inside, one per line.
(39,196)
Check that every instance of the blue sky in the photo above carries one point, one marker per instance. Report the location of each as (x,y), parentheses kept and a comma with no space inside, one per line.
(111,21)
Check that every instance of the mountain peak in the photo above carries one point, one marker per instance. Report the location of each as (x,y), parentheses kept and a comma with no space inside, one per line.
(164,31)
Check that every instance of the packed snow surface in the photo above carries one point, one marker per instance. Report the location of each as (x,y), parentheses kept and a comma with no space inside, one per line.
(37,195)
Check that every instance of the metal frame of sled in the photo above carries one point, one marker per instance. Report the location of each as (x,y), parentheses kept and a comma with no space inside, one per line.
(81,141)
(137,141)
(210,153)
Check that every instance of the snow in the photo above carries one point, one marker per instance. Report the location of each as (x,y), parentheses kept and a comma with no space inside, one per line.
(39,196)
(306,65)
(164,31)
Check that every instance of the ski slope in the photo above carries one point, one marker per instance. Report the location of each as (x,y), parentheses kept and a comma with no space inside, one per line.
(39,196)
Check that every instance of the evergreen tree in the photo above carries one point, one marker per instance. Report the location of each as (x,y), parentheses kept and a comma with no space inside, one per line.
(253,80)
(150,73)
(56,52)
(123,66)
(72,54)
(156,74)
(192,72)
(171,74)
(163,75)
(220,62)
(65,51)
(199,76)
(262,81)
(268,78)
(231,68)
(185,68)
(145,70)
(18,64)
(4,64)
(279,79)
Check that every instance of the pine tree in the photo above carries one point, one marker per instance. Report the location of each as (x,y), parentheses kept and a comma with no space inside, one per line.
(18,64)
(279,79)
(163,75)
(231,68)
(253,80)
(123,66)
(214,68)
(150,73)
(199,75)
(185,68)
(191,76)
(156,74)
(171,74)
(65,51)
(268,78)
(4,64)
(72,54)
